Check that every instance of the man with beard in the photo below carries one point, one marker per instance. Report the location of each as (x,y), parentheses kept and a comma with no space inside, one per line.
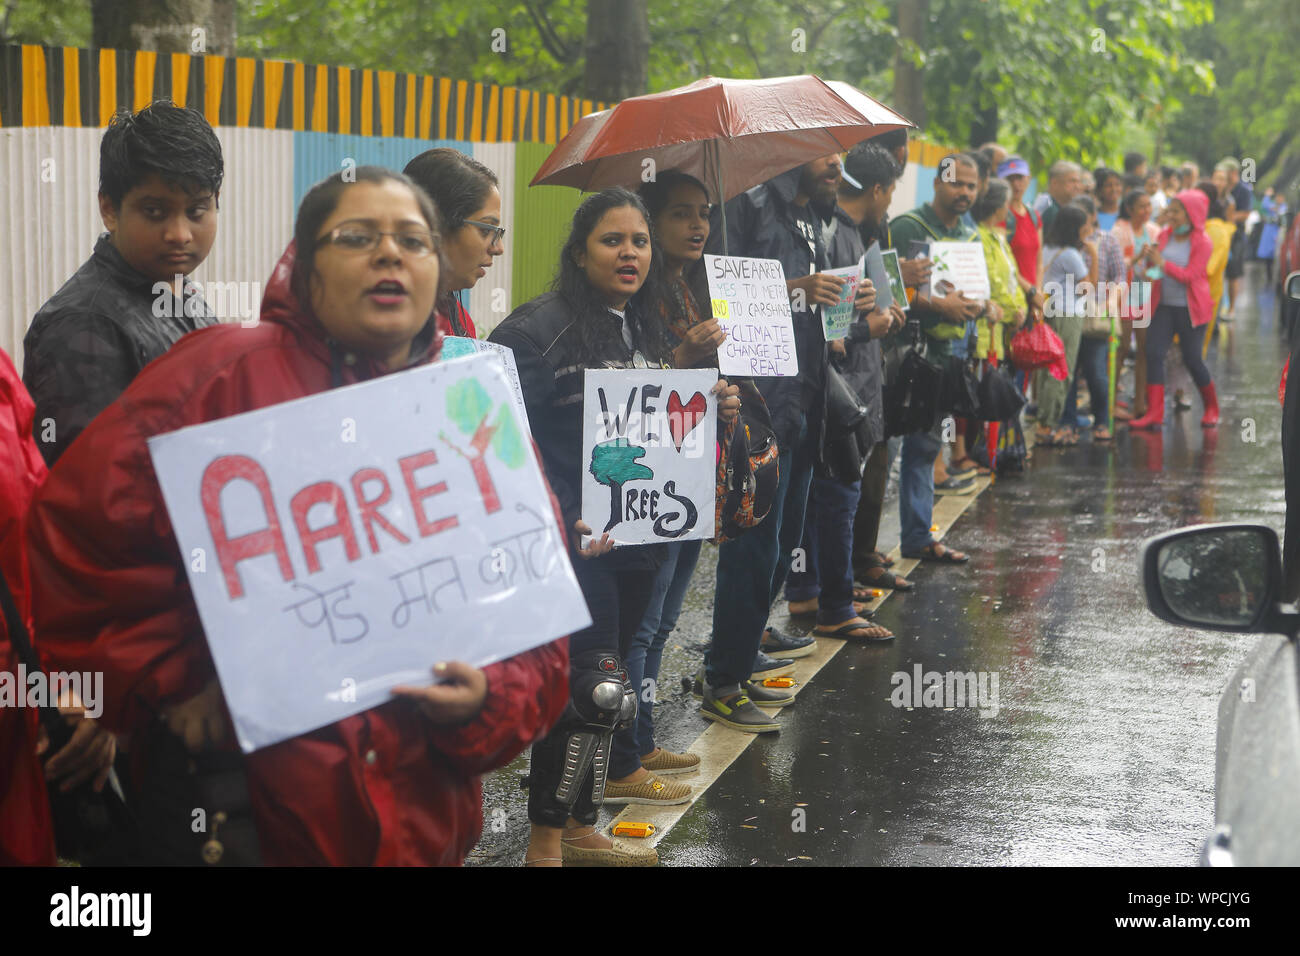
(773,221)
(943,319)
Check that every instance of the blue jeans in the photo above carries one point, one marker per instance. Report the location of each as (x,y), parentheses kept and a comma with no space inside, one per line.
(1091,366)
(752,569)
(828,551)
(916,492)
(646,650)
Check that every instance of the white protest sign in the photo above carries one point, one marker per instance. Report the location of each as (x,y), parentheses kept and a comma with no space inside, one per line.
(898,292)
(752,305)
(649,456)
(837,318)
(341,544)
(959,266)
(458,346)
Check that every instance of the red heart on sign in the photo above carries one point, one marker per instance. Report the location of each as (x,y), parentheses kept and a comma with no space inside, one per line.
(682,419)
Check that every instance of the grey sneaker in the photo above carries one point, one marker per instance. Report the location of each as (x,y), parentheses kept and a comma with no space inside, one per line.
(767,696)
(786,645)
(765,666)
(737,712)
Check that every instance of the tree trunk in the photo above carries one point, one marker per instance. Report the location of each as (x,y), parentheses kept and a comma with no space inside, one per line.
(617,50)
(1274,153)
(168,26)
(909,94)
(984,127)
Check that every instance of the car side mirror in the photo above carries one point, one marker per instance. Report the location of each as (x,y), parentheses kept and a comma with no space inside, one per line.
(1224,577)
(1292,285)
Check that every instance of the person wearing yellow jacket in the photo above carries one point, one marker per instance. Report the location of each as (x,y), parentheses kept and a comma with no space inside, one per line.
(1007,306)
(1005,291)
(1220,232)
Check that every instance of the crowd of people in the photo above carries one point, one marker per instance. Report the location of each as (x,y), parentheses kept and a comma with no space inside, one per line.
(370,284)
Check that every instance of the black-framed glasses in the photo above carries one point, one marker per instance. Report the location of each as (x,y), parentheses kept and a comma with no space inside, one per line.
(361,236)
(488,229)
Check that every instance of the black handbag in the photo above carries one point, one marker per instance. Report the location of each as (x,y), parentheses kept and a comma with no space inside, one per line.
(999,399)
(846,436)
(959,391)
(175,786)
(912,399)
(89,827)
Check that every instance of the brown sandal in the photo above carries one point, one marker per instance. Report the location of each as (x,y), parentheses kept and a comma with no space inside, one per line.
(888,580)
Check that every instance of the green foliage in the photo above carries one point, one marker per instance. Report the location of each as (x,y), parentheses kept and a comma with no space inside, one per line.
(49,22)
(1254,45)
(1062,75)
(1207,77)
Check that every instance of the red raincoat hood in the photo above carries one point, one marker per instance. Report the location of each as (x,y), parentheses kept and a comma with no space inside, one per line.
(1197,205)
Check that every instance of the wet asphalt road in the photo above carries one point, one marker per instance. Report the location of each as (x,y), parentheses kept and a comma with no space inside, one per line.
(1098,747)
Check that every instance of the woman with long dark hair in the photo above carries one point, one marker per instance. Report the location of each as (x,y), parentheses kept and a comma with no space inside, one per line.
(606,310)
(469,202)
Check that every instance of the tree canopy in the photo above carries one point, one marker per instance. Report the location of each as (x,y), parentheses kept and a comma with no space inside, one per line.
(1049,78)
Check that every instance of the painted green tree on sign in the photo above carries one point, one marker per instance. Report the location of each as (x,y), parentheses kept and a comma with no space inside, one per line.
(469,407)
(614,463)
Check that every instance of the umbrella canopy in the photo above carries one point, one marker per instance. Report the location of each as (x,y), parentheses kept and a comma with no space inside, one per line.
(729,134)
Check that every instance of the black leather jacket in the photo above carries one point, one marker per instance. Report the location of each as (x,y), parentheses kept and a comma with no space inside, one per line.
(93,337)
(544,339)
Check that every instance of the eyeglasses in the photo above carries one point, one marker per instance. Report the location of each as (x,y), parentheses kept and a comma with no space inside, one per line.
(488,229)
(360,236)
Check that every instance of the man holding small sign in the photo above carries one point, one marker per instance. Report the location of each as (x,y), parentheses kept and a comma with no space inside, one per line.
(825,586)
(771,228)
(944,316)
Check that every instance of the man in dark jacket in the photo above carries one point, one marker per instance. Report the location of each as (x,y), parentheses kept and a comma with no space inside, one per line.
(866,200)
(773,221)
(825,586)
(160,171)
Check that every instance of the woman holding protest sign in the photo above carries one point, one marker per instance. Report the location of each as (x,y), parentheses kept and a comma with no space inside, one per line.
(469,201)
(352,299)
(606,311)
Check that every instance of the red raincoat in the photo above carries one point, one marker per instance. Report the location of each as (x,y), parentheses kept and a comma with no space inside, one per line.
(1194,275)
(380,787)
(26,831)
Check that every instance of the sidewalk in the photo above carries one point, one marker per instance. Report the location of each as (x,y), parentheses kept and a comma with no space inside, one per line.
(678,725)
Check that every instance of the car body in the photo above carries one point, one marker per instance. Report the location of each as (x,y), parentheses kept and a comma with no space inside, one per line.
(1257,757)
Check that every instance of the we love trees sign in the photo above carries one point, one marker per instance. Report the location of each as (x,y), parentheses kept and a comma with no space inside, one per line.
(649,454)
(342,544)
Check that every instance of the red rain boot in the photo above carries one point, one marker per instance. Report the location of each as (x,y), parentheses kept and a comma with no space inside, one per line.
(1155,416)
(1211,400)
